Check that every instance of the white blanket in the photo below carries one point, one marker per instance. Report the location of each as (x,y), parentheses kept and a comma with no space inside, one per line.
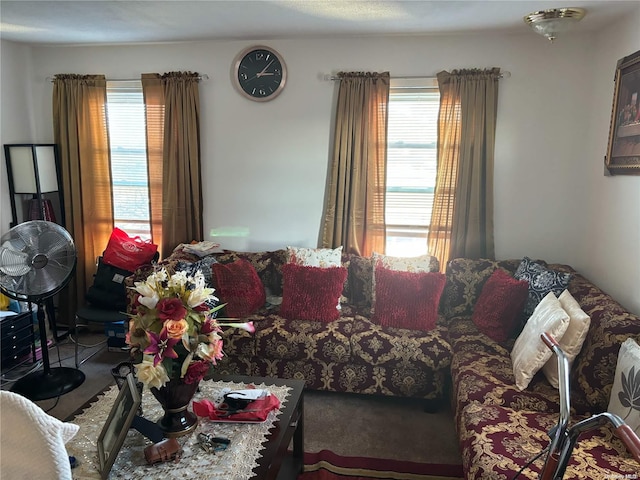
(32,442)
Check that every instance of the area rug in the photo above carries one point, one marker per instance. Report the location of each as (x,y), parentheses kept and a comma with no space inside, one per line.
(326,465)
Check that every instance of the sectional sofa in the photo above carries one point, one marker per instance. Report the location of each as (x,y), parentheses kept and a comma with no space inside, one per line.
(500,426)
(341,350)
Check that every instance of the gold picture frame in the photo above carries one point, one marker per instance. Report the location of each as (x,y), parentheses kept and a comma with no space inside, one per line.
(623,150)
(117,425)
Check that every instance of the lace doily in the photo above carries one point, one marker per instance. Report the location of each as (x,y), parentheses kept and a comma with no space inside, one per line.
(235,463)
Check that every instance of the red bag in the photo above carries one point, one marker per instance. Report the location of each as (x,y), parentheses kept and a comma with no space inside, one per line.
(128,253)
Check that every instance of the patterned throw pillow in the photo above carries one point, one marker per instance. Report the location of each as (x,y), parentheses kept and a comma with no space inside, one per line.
(542,280)
(311,293)
(529,353)
(407,299)
(625,394)
(239,286)
(499,306)
(315,257)
(572,340)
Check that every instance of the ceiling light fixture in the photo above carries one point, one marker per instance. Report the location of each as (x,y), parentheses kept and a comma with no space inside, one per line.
(549,23)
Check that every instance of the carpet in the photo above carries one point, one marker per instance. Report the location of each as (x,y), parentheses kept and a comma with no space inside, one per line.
(326,465)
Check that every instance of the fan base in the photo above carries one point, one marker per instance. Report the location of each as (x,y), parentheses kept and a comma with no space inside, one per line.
(42,385)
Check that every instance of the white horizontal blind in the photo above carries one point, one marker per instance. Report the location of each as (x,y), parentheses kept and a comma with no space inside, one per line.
(411,168)
(129,171)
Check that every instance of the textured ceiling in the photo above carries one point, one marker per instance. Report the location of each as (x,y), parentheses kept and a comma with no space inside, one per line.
(122,21)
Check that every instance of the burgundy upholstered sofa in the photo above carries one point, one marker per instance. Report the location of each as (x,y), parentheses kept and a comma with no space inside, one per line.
(350,354)
(501,428)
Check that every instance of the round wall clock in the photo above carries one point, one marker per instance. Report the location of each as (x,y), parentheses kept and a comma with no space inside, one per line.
(259,73)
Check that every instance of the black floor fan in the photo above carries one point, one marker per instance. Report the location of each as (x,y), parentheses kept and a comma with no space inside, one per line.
(37,260)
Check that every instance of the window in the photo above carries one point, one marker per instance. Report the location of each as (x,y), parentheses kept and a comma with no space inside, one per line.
(411,165)
(129,172)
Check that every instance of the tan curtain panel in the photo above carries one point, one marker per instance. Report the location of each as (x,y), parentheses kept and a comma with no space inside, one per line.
(462,218)
(179,173)
(355,197)
(80,130)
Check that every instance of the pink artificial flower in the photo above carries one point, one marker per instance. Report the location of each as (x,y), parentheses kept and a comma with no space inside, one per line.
(209,325)
(161,346)
(171,309)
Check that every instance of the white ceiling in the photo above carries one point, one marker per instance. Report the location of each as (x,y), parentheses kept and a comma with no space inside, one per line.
(123,21)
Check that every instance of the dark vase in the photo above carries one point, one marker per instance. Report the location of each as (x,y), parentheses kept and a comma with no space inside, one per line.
(174,398)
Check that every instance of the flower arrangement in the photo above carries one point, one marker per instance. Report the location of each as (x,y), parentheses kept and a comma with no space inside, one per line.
(175,328)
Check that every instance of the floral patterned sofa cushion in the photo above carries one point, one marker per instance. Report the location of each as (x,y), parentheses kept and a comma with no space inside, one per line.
(280,338)
(594,368)
(481,371)
(373,344)
(497,442)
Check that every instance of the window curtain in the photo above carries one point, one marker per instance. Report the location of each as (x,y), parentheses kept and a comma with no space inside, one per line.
(355,197)
(462,217)
(173,135)
(80,130)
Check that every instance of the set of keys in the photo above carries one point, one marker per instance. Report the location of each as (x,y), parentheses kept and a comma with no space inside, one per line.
(211,444)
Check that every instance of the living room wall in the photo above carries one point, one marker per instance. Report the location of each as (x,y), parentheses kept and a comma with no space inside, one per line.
(264,165)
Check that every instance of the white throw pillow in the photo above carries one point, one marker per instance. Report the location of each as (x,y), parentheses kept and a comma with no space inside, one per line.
(529,352)
(573,338)
(315,257)
(626,385)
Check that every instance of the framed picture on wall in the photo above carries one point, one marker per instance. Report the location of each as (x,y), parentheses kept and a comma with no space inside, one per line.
(623,152)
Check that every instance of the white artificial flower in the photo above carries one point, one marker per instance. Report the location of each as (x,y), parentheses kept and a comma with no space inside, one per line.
(199,296)
(178,280)
(149,302)
(144,289)
(150,375)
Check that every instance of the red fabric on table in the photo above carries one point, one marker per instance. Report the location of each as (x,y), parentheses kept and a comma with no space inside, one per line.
(256,411)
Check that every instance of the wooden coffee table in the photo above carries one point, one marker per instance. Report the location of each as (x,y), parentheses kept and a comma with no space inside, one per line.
(275,461)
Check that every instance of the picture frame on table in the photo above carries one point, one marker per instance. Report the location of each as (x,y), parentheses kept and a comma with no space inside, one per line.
(623,150)
(117,425)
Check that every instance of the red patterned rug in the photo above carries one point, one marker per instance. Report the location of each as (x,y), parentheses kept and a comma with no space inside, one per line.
(326,465)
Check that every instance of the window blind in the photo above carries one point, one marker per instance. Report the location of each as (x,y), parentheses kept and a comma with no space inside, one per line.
(129,173)
(411,157)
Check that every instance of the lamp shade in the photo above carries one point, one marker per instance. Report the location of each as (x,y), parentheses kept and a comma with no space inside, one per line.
(31,164)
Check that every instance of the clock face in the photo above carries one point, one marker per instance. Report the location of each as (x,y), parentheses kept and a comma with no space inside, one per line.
(259,73)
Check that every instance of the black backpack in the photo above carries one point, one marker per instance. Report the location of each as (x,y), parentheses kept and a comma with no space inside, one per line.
(108,290)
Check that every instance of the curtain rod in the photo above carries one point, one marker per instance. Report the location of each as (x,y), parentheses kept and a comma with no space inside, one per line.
(204,76)
(329,77)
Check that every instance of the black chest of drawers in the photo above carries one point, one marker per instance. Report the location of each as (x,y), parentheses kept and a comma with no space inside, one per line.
(16,338)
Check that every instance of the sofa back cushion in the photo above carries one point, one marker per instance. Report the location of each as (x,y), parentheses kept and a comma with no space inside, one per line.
(268,265)
(594,368)
(465,279)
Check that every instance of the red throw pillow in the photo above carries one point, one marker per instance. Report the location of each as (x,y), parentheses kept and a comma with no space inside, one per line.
(311,293)
(500,304)
(239,286)
(407,299)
